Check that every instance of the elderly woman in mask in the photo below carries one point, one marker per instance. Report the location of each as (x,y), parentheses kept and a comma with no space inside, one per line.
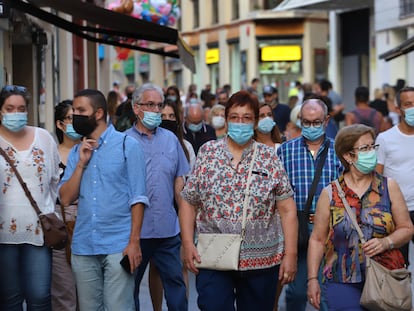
(214,197)
(381,213)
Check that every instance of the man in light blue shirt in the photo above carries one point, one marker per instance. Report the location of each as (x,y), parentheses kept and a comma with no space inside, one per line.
(166,165)
(106,174)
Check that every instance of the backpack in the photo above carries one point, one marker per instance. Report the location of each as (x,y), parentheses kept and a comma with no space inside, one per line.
(368,121)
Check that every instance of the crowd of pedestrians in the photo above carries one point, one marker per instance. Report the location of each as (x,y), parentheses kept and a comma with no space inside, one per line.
(138,176)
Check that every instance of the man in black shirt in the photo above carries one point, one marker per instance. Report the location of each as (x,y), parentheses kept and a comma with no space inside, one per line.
(196,131)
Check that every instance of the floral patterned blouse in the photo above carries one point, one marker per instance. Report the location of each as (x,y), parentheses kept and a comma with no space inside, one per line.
(39,168)
(217,188)
(344,260)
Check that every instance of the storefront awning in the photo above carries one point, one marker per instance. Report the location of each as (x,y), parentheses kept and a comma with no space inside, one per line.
(404,48)
(322,5)
(107,27)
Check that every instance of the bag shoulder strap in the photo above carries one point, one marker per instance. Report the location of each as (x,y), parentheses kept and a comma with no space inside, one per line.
(316,177)
(349,211)
(247,192)
(22,183)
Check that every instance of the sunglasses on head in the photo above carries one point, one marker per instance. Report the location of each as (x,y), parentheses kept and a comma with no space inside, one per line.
(14,89)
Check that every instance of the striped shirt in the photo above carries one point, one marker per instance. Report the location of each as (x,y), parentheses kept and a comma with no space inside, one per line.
(300,167)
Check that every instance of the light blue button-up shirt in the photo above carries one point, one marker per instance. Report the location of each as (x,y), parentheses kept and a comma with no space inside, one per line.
(113,181)
(165,160)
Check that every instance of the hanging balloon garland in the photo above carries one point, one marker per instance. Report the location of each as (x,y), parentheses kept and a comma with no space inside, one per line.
(161,12)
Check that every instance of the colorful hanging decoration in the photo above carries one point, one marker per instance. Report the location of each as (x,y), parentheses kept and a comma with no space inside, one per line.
(162,12)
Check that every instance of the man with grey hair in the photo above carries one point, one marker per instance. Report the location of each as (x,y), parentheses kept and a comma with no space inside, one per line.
(301,157)
(196,131)
(166,164)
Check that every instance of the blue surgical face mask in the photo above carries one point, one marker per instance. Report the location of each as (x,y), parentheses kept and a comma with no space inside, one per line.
(409,116)
(71,133)
(172,98)
(240,133)
(366,162)
(195,127)
(193,101)
(14,121)
(151,119)
(313,133)
(298,123)
(218,122)
(266,125)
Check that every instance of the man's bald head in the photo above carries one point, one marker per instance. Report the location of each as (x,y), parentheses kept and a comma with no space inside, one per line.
(195,113)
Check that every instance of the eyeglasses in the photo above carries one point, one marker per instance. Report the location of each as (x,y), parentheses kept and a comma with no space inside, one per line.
(316,123)
(365,148)
(14,88)
(241,119)
(152,105)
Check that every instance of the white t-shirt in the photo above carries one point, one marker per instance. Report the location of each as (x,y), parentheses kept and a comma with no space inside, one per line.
(396,153)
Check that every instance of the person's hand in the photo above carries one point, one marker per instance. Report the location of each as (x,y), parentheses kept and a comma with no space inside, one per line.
(375,246)
(190,255)
(133,250)
(288,268)
(314,293)
(86,150)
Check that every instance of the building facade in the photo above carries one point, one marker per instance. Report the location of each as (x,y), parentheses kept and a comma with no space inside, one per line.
(236,41)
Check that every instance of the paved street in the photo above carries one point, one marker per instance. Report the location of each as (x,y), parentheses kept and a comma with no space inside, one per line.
(145,300)
(146,304)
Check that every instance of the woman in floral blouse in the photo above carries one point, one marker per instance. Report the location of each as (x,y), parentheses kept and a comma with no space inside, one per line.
(381,213)
(25,262)
(213,197)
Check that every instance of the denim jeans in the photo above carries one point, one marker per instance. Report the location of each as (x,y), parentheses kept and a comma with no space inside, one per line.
(237,290)
(25,274)
(165,254)
(102,283)
(296,297)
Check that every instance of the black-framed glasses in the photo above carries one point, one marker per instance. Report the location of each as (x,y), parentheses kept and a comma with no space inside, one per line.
(316,123)
(14,89)
(365,148)
(152,105)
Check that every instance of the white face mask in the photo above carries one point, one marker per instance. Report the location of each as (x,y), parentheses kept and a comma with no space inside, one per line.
(218,122)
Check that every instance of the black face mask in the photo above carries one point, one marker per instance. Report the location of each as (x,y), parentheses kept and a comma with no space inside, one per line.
(84,125)
(170,125)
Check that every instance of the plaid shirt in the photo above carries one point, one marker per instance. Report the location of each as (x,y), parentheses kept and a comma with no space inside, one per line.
(300,167)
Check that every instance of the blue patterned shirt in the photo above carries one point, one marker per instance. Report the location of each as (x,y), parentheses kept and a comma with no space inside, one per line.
(113,181)
(300,166)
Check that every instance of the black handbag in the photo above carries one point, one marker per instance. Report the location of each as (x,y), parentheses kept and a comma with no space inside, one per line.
(54,230)
(304,216)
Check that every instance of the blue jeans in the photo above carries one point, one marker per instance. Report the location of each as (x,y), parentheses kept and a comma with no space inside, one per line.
(165,254)
(102,283)
(296,297)
(25,274)
(250,290)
